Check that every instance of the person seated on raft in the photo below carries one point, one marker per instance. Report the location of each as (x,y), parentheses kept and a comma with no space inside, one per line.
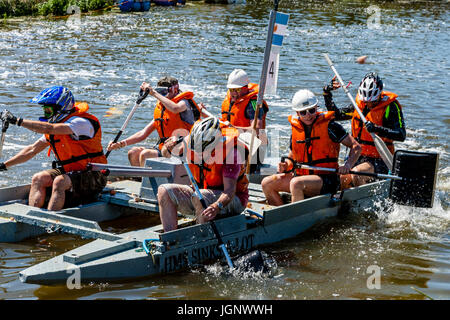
(75,137)
(214,157)
(175,113)
(239,108)
(385,118)
(315,141)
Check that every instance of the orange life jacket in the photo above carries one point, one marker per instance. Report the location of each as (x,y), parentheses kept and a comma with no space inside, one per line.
(210,176)
(235,113)
(375,115)
(317,149)
(167,122)
(74,155)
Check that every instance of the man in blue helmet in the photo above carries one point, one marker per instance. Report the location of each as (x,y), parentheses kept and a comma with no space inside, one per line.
(74,136)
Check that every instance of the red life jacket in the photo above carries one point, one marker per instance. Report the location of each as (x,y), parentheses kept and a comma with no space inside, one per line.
(235,113)
(317,149)
(167,122)
(375,115)
(210,176)
(74,155)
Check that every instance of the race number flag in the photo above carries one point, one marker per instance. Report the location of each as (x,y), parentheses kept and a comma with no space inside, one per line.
(279,31)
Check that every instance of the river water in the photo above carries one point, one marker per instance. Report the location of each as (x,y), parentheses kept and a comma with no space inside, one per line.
(104,57)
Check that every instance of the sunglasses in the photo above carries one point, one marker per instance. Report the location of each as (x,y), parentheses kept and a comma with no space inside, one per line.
(237,90)
(311,111)
(162,90)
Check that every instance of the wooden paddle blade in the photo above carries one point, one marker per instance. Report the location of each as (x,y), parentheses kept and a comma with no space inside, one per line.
(383,150)
(418,170)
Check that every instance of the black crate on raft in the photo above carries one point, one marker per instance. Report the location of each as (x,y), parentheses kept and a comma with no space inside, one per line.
(418,170)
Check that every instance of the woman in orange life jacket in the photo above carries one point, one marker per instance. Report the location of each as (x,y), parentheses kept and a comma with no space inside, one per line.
(315,141)
(174,111)
(214,157)
(239,106)
(74,137)
(385,118)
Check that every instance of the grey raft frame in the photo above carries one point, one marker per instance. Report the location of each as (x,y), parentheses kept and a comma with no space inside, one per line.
(113,257)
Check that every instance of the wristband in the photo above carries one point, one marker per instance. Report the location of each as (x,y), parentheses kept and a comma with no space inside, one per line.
(19,122)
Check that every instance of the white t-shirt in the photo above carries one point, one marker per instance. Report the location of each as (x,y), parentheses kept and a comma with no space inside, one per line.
(80,127)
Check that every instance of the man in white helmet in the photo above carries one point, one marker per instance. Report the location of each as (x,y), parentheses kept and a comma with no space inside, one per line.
(385,118)
(239,106)
(315,141)
(214,158)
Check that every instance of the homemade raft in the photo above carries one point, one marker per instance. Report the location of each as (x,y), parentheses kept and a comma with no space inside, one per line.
(150,251)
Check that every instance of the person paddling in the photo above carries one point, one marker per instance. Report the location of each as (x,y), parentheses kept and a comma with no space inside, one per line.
(175,112)
(239,106)
(385,118)
(214,157)
(74,137)
(315,140)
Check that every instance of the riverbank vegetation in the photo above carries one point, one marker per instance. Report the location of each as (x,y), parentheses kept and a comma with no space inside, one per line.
(11,8)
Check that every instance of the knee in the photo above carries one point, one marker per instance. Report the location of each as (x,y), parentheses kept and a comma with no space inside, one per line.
(41,179)
(134,152)
(61,183)
(297,184)
(265,183)
(163,195)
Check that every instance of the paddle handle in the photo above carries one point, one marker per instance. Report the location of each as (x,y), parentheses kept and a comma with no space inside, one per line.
(369,174)
(379,143)
(142,95)
(5,126)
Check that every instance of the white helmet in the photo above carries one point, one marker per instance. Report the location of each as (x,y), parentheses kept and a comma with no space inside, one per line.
(205,134)
(370,87)
(237,79)
(303,100)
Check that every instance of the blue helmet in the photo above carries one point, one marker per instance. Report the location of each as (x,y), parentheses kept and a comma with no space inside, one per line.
(57,96)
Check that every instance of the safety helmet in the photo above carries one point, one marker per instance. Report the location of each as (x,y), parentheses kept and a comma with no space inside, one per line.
(60,98)
(370,87)
(238,78)
(303,100)
(205,134)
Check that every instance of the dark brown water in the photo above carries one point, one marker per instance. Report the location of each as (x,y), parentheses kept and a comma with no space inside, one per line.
(103,59)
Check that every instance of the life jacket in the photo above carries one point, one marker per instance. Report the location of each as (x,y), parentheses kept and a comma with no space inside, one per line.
(167,122)
(210,175)
(74,155)
(235,113)
(316,149)
(374,115)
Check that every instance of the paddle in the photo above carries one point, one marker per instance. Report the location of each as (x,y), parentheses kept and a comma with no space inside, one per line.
(379,143)
(299,165)
(142,96)
(203,202)
(262,79)
(414,181)
(252,261)
(5,125)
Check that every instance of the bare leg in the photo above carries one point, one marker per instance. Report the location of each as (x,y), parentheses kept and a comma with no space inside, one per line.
(60,185)
(363,167)
(133,155)
(167,210)
(309,185)
(39,183)
(147,153)
(274,184)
